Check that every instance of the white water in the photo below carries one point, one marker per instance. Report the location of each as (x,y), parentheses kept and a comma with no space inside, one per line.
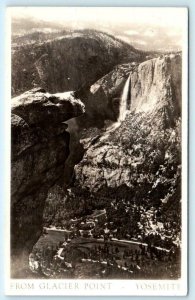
(123,102)
(122,111)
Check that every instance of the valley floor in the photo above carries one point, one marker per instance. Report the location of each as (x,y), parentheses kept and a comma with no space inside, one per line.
(62,253)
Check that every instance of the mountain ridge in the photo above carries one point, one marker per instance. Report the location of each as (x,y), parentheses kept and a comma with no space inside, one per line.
(69,62)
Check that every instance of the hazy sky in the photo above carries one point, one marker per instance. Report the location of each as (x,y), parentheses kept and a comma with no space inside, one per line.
(147,28)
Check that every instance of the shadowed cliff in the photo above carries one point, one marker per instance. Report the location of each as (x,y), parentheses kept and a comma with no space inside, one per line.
(40,146)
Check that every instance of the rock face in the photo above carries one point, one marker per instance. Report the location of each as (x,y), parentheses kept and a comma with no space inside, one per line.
(155,93)
(155,89)
(40,146)
(156,84)
(103,99)
(68,62)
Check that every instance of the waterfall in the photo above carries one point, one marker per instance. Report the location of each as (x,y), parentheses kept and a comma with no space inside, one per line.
(123,101)
(122,111)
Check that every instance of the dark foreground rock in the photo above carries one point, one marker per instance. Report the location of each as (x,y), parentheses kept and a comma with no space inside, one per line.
(40,146)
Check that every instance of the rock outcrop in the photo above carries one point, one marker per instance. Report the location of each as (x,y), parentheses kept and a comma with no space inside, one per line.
(40,146)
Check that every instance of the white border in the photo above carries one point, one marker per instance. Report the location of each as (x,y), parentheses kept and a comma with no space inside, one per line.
(184,186)
(8,141)
(22,287)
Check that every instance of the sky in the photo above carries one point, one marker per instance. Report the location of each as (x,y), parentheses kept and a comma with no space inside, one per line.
(144,28)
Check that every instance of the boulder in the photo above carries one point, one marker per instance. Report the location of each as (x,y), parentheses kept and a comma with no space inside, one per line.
(37,107)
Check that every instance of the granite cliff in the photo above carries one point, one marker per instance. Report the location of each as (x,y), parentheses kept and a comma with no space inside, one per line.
(154,99)
(138,160)
(154,89)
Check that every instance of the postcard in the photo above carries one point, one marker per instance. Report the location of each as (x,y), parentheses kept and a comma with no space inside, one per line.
(97,105)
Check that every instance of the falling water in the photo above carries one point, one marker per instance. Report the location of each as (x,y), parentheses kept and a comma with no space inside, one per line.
(122,111)
(123,102)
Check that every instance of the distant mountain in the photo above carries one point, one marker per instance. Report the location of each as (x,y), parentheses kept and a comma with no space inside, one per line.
(36,36)
(66,60)
(24,26)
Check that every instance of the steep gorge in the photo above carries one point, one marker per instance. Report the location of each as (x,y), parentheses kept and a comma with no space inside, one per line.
(137,163)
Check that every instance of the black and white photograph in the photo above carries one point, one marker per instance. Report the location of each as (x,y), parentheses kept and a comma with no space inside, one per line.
(98,183)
